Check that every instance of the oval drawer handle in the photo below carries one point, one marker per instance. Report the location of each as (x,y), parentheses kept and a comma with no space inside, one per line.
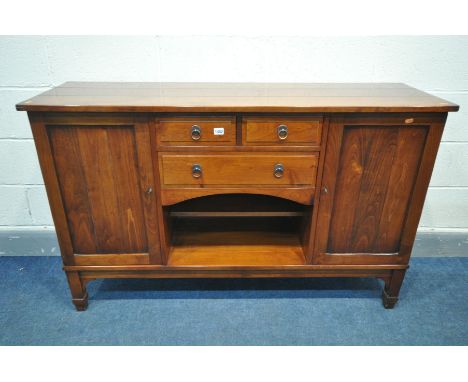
(278,170)
(282,132)
(196,171)
(196,132)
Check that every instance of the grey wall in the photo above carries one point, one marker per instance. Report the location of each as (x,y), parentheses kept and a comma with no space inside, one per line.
(30,65)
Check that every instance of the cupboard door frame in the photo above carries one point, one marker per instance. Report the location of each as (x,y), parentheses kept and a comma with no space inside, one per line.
(40,122)
(435,123)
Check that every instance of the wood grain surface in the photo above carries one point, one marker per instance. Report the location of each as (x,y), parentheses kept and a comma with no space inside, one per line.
(118,164)
(235,97)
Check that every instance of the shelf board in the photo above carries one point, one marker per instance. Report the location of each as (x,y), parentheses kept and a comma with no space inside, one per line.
(200,214)
(236,248)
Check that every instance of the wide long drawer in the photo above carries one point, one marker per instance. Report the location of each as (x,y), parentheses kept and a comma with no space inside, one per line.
(236,169)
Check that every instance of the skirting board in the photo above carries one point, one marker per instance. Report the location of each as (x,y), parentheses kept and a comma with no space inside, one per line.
(44,243)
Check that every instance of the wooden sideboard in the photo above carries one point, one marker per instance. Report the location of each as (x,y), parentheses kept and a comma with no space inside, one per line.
(177,180)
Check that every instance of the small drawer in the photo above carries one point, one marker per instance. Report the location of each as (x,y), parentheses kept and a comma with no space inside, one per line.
(236,169)
(286,131)
(177,131)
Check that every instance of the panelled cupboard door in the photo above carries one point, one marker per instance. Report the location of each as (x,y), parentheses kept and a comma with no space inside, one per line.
(374,183)
(105,184)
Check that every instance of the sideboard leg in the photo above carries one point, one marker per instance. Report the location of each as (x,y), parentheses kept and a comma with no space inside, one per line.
(78,291)
(392,288)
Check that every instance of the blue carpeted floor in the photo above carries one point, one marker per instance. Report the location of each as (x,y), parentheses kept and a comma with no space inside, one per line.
(36,309)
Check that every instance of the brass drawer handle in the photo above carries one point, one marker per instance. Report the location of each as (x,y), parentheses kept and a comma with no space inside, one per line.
(196,171)
(278,170)
(282,132)
(196,132)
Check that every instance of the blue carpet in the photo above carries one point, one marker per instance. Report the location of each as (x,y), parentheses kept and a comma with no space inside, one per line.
(35,309)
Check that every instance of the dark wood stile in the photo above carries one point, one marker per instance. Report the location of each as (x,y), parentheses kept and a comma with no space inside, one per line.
(49,174)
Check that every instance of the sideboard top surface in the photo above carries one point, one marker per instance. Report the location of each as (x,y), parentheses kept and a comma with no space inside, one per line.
(235,97)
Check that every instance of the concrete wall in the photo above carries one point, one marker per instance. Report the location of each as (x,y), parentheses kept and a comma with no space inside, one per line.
(30,65)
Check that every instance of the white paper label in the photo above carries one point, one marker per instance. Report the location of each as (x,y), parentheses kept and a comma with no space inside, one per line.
(218,131)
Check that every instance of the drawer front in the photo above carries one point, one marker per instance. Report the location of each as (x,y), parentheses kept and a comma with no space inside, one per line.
(238,169)
(273,131)
(191,131)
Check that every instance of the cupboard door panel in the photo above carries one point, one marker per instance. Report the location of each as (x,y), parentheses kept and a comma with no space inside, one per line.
(368,202)
(126,182)
(99,180)
(406,162)
(371,171)
(67,157)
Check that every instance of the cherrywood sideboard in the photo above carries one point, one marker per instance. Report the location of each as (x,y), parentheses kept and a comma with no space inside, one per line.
(182,180)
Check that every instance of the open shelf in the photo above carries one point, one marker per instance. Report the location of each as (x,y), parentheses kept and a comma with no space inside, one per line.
(236,248)
(207,214)
(233,230)
(231,203)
